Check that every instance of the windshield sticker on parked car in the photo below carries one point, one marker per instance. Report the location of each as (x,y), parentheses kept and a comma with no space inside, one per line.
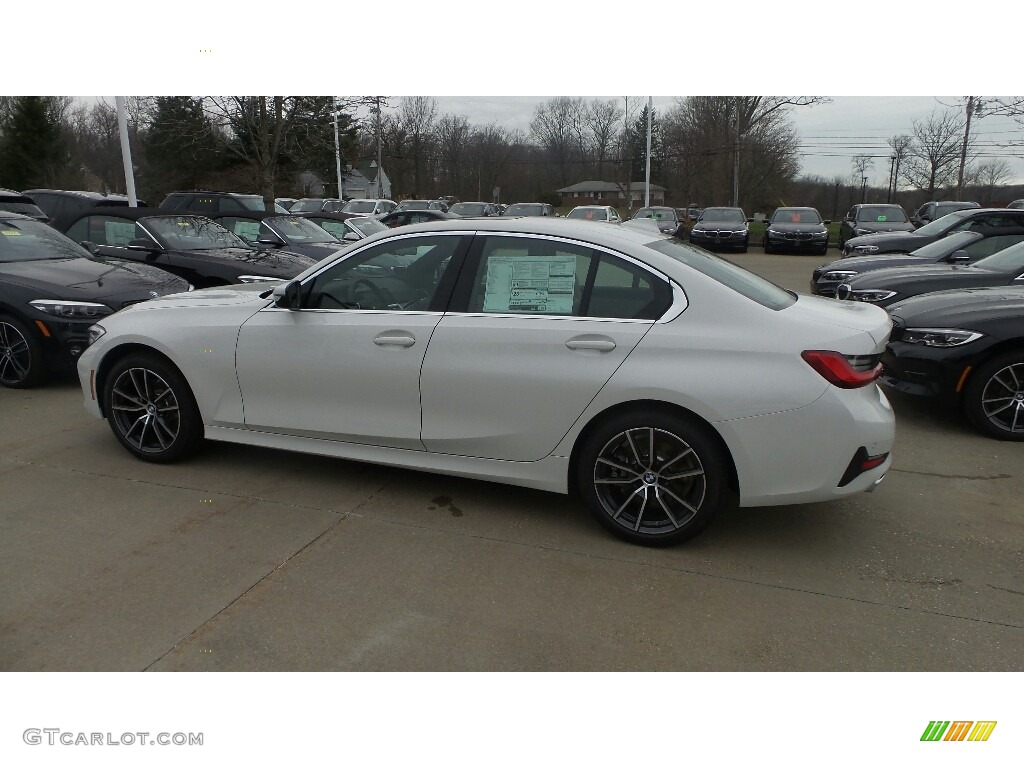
(542,284)
(10,233)
(883,217)
(118,233)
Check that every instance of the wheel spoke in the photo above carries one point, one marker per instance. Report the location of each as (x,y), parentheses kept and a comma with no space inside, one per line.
(128,409)
(671,517)
(129,398)
(684,503)
(626,502)
(140,420)
(618,467)
(636,453)
(1016,415)
(18,346)
(991,413)
(643,507)
(158,423)
(1003,384)
(683,475)
(138,390)
(623,481)
(682,455)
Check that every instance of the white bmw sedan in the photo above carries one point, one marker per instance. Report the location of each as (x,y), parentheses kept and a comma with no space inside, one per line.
(647,375)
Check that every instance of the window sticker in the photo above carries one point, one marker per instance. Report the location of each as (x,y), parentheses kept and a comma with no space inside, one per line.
(118,233)
(10,233)
(248,230)
(542,284)
(883,217)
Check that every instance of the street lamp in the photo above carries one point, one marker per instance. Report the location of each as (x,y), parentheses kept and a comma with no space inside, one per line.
(337,156)
(863,189)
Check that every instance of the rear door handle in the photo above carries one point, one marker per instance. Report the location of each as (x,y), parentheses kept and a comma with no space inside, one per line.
(598,345)
(394,340)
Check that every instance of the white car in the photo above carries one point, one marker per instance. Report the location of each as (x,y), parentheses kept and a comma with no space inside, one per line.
(644,373)
(369,207)
(595,213)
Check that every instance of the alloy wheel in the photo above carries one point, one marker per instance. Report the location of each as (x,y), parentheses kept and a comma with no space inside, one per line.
(145,410)
(15,355)
(649,481)
(1002,399)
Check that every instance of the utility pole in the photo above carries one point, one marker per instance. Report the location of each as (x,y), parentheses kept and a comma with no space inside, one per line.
(890,190)
(380,152)
(963,149)
(337,157)
(863,189)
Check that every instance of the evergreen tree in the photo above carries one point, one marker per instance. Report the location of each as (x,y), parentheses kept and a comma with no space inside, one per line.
(33,147)
(639,162)
(180,147)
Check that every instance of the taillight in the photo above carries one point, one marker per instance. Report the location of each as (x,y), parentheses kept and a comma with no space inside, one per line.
(845,372)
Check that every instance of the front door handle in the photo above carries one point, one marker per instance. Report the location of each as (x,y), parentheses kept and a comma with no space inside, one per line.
(394,340)
(596,344)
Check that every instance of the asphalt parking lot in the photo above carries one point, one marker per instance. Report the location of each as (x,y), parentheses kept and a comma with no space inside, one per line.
(253,559)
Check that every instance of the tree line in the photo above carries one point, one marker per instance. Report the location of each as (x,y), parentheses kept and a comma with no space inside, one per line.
(709,150)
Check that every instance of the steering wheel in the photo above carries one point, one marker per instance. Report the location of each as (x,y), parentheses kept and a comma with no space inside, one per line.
(362,286)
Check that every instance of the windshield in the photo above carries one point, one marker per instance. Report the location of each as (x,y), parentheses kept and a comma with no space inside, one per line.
(367,226)
(943,224)
(1007,260)
(525,209)
(192,233)
(359,206)
(29,209)
(882,213)
(725,272)
(26,240)
(734,215)
(795,216)
(655,213)
(307,205)
(299,230)
(414,205)
(946,245)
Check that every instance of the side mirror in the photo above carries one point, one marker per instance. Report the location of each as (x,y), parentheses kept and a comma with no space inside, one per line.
(142,244)
(350,237)
(827,221)
(960,257)
(750,220)
(286,295)
(91,247)
(269,241)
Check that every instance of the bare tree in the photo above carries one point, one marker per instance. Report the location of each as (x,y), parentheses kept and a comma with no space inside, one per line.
(417,115)
(987,176)
(602,119)
(453,134)
(557,127)
(900,146)
(935,151)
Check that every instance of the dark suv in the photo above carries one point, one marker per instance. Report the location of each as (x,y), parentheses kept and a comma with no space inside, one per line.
(215,202)
(871,218)
(937,209)
(968,219)
(62,206)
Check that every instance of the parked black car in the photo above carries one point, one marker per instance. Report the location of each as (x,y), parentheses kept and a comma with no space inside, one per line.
(348,229)
(966,349)
(401,218)
(667,218)
(958,248)
(980,219)
(205,203)
(63,206)
(721,228)
(936,209)
(193,247)
(889,286)
(796,229)
(288,232)
(52,290)
(15,202)
(871,218)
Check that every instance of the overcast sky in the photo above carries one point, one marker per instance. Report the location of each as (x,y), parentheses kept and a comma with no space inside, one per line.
(503,52)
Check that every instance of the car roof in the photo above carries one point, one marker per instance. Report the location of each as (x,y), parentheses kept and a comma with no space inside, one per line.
(133,213)
(13,215)
(258,215)
(579,229)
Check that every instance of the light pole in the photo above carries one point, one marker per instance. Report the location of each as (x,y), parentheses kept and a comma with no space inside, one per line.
(126,152)
(891,189)
(337,158)
(863,189)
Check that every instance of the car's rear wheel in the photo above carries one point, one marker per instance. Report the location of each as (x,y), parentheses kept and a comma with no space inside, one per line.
(151,409)
(652,477)
(21,357)
(994,399)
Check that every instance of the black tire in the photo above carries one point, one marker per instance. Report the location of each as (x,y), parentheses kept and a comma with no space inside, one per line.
(616,477)
(21,354)
(994,399)
(151,409)
(824,250)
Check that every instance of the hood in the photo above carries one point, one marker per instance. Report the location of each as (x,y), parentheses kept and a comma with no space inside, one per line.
(890,241)
(902,275)
(961,308)
(317,251)
(852,315)
(222,296)
(789,226)
(870,263)
(81,279)
(712,224)
(884,226)
(271,262)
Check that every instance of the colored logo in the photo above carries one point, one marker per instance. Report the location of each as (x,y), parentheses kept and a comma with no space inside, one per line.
(958,730)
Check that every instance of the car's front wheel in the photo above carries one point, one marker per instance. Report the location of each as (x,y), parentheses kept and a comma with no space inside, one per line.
(652,477)
(994,399)
(151,409)
(21,358)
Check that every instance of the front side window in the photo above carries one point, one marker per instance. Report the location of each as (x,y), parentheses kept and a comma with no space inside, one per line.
(192,233)
(296,229)
(112,231)
(988,246)
(398,275)
(537,276)
(247,229)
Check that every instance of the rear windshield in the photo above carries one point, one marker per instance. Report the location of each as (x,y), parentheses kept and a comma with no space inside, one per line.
(588,213)
(725,272)
(468,209)
(307,205)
